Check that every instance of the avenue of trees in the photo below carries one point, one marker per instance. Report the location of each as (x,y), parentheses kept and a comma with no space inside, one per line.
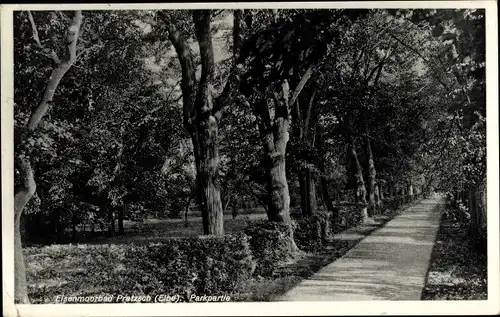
(133,114)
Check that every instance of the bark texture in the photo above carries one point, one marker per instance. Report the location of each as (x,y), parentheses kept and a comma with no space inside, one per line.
(121,229)
(372,176)
(207,130)
(307,183)
(23,193)
(378,196)
(275,137)
(360,183)
(323,179)
(111,219)
(477,208)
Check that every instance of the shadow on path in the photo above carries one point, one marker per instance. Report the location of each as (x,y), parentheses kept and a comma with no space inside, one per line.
(390,264)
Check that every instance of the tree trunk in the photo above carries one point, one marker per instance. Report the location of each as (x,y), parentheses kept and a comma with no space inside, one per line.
(186,210)
(55,218)
(323,180)
(360,183)
(73,226)
(200,113)
(211,202)
(372,174)
(307,192)
(302,111)
(274,135)
(237,28)
(207,130)
(111,219)
(378,199)
(481,214)
(278,195)
(326,195)
(311,192)
(303,193)
(121,230)
(275,138)
(23,193)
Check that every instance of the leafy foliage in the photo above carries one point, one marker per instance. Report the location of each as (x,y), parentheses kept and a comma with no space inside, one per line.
(270,245)
(113,144)
(216,266)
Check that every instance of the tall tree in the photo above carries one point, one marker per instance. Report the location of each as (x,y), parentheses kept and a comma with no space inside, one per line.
(202,111)
(27,185)
(273,53)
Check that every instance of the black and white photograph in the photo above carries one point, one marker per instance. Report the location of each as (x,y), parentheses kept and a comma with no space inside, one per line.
(223,154)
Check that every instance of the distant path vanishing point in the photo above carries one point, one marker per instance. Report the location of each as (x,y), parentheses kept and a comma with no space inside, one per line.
(389,264)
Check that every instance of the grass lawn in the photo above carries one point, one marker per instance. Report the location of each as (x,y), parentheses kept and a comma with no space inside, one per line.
(155,230)
(456,271)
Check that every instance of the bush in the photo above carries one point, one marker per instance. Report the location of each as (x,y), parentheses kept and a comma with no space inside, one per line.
(312,231)
(350,215)
(205,265)
(270,243)
(392,203)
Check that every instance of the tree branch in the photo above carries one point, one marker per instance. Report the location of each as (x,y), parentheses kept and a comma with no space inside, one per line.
(73,35)
(422,57)
(185,57)
(356,65)
(35,31)
(378,68)
(301,85)
(52,54)
(307,119)
(229,93)
(230,90)
(216,13)
(57,74)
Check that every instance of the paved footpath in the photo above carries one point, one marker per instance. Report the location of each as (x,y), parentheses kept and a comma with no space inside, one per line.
(389,264)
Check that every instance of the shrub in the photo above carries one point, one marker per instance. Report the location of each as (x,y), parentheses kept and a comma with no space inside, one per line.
(312,231)
(270,243)
(205,265)
(350,215)
(392,203)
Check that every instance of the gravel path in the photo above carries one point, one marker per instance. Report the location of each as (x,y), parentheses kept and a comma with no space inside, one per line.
(389,264)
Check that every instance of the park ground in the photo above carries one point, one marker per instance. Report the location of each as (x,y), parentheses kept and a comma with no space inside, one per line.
(446,266)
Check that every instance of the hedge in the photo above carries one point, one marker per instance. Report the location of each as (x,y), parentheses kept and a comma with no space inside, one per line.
(350,215)
(205,265)
(270,243)
(313,231)
(393,203)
